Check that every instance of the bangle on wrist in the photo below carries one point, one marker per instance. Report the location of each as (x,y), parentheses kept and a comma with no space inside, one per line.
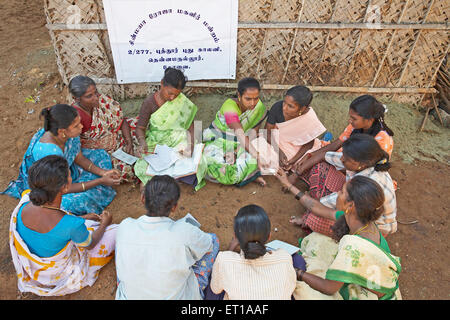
(300,276)
(299,195)
(83,186)
(89,168)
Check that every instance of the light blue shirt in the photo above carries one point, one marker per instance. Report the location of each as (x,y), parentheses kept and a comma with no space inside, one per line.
(154,258)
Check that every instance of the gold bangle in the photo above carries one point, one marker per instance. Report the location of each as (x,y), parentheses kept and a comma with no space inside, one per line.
(89,168)
(84,188)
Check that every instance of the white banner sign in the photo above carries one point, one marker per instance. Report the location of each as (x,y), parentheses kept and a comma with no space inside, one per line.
(197,36)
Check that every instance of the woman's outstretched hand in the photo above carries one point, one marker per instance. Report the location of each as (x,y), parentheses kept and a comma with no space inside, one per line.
(142,149)
(91,216)
(282,176)
(128,148)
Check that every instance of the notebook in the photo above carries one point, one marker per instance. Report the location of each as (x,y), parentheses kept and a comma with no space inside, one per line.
(277,244)
(190,219)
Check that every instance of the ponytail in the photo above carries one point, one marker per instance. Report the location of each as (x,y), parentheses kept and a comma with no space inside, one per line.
(59,116)
(368,107)
(45,113)
(383,164)
(252,229)
(384,126)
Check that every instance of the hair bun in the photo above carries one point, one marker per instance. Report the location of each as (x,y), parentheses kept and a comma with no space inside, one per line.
(38,196)
(254,249)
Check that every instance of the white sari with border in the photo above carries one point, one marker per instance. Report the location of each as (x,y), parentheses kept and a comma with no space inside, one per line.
(68,271)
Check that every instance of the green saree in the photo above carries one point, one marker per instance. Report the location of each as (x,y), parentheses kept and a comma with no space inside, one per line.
(228,162)
(168,125)
(360,264)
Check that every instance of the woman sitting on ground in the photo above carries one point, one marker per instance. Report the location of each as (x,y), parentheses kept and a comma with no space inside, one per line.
(159,258)
(91,169)
(104,125)
(297,124)
(366,115)
(55,253)
(349,268)
(166,118)
(229,155)
(255,273)
(361,156)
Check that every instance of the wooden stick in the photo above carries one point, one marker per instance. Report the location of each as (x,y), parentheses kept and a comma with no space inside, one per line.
(434,76)
(285,25)
(437,110)
(442,94)
(269,86)
(424,119)
(444,77)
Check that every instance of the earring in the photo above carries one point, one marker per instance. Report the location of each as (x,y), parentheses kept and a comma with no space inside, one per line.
(63,135)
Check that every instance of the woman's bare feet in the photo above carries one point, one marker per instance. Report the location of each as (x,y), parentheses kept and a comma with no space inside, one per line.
(261,181)
(297,221)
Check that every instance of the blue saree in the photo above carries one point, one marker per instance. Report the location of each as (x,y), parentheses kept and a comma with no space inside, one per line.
(93,200)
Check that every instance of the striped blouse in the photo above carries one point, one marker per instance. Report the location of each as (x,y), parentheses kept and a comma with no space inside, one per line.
(387,222)
(270,277)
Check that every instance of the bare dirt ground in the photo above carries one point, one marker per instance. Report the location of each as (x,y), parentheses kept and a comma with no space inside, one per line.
(28,70)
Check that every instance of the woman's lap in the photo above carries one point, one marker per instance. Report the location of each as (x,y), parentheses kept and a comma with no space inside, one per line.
(95,199)
(323,179)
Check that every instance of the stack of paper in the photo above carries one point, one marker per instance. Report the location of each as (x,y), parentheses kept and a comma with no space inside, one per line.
(162,158)
(174,164)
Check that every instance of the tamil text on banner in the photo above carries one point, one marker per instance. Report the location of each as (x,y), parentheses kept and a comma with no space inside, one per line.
(148,36)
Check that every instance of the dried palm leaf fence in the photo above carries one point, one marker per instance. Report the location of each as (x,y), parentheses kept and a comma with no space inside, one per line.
(328,45)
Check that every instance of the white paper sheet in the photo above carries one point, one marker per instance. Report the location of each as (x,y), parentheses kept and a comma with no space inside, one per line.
(190,219)
(162,158)
(277,244)
(183,166)
(124,157)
